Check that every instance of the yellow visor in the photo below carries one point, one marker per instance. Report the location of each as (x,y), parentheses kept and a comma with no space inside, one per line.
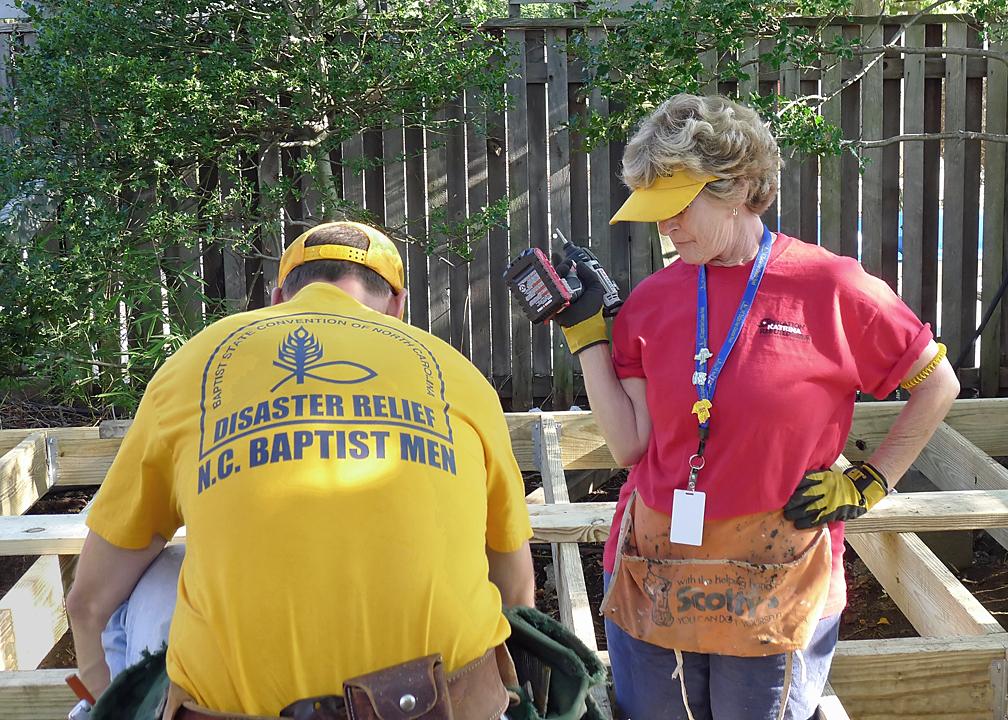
(381,255)
(662,199)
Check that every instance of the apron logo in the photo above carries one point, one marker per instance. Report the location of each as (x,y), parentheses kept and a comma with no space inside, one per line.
(301,353)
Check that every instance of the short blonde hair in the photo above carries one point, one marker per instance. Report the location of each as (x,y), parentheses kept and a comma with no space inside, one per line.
(707,136)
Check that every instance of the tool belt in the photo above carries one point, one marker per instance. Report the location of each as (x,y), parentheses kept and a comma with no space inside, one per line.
(414,690)
(555,674)
(756,587)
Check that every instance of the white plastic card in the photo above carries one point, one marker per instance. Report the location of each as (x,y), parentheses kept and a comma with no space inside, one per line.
(687,517)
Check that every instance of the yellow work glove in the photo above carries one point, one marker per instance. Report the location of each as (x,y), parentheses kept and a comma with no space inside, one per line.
(582,321)
(826,496)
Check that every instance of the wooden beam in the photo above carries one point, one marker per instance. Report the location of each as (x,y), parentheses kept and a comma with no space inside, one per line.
(37,613)
(830,707)
(917,677)
(582,446)
(23,476)
(931,597)
(8,653)
(572,595)
(35,695)
(952,462)
(85,462)
(980,421)
(10,438)
(587,522)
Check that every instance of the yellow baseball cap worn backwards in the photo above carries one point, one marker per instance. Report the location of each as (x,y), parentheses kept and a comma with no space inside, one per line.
(381,255)
(664,198)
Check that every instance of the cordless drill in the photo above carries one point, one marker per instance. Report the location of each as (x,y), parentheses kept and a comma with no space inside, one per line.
(542,293)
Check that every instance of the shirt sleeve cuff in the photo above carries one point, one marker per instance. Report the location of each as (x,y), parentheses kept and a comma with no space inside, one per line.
(906,362)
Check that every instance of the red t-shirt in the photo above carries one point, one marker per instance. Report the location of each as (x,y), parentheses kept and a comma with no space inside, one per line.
(820,329)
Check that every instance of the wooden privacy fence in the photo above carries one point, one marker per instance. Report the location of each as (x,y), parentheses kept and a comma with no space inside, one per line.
(937,80)
(955,670)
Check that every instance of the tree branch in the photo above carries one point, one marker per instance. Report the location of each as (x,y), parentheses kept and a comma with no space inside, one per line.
(923,137)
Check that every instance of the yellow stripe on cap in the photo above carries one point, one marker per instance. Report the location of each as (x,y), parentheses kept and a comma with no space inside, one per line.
(664,198)
(381,254)
(335,252)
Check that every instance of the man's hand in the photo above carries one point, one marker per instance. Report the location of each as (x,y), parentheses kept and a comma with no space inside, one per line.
(582,321)
(827,496)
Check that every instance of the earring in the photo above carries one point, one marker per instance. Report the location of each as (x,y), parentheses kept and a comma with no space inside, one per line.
(734,211)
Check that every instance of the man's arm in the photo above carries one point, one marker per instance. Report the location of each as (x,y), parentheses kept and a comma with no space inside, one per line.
(106,575)
(512,573)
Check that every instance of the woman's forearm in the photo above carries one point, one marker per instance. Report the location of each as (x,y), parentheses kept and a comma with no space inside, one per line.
(916,423)
(620,406)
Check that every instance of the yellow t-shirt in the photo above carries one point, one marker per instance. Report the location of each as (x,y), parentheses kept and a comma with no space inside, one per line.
(340,475)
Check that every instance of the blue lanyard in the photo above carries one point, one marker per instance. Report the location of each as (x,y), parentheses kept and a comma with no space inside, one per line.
(706,383)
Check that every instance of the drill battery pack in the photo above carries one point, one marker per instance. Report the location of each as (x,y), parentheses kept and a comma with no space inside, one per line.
(540,292)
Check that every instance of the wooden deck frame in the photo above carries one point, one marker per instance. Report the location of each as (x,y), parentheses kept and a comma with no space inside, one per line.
(959,675)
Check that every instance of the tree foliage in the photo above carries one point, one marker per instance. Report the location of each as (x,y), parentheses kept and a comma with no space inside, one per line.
(661,47)
(145,122)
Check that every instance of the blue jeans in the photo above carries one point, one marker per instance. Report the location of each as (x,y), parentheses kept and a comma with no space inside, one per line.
(718,687)
(142,622)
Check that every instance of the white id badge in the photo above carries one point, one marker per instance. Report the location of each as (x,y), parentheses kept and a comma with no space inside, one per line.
(687,517)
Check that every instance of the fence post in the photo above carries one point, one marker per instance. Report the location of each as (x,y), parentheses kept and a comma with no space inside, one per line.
(518,219)
(913,174)
(832,80)
(557,114)
(954,295)
(994,223)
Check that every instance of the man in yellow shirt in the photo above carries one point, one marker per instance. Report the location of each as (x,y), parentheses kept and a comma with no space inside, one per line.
(347,485)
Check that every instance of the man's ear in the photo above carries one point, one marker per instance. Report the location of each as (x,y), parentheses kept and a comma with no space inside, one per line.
(276,296)
(397,304)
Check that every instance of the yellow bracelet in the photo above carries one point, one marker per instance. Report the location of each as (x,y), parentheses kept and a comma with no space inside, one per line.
(928,369)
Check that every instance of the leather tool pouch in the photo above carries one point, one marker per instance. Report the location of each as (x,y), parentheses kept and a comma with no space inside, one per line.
(414,690)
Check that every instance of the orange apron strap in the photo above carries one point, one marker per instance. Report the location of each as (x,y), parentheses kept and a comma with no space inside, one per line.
(624,529)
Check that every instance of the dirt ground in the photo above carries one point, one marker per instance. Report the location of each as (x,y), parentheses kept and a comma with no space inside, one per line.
(870,613)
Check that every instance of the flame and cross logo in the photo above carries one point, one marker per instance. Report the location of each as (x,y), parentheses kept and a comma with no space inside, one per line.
(302,356)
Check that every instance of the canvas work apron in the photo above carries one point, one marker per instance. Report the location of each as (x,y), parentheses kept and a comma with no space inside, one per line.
(756,587)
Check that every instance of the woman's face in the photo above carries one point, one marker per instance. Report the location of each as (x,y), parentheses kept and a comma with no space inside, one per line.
(705,232)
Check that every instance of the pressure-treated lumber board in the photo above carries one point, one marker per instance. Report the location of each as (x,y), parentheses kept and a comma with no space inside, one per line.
(572,595)
(35,695)
(903,678)
(910,512)
(38,616)
(981,421)
(952,462)
(85,462)
(23,475)
(48,535)
(582,446)
(588,522)
(8,653)
(930,596)
(830,707)
(10,438)
(571,592)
